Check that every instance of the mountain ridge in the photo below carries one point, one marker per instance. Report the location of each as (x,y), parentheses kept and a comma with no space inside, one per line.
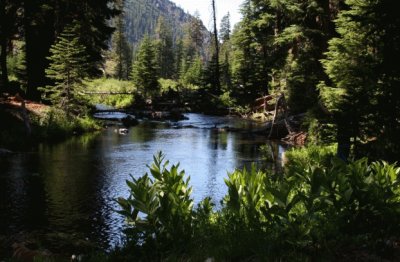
(140,18)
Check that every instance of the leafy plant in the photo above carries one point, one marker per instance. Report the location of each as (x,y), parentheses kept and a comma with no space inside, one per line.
(319,204)
(159,209)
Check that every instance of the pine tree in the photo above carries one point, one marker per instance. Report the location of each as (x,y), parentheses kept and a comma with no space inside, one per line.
(68,67)
(194,73)
(225,30)
(225,53)
(215,81)
(192,49)
(121,52)
(195,32)
(250,58)
(9,27)
(363,93)
(165,48)
(43,20)
(145,69)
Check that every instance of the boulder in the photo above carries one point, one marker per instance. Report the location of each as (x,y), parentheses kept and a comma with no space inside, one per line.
(129,121)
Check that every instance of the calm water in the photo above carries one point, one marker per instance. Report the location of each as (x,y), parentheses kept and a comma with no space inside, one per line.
(69,188)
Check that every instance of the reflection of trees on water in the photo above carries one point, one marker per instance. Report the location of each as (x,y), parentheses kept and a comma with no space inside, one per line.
(56,190)
(71,185)
(145,132)
(22,196)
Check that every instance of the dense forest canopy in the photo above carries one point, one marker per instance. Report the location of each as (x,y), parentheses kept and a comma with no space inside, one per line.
(333,59)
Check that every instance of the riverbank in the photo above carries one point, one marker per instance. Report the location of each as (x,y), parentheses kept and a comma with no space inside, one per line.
(65,191)
(25,123)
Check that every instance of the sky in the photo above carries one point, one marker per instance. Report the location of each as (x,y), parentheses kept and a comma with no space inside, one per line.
(204,8)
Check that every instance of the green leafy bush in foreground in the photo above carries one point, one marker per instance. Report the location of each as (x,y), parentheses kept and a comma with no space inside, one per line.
(310,211)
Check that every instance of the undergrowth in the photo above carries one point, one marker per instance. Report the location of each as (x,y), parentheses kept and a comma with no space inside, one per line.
(318,208)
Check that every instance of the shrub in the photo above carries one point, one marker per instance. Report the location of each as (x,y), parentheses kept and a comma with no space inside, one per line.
(159,209)
(111,85)
(313,210)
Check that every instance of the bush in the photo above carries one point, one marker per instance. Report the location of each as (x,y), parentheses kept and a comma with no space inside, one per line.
(159,209)
(312,211)
(55,124)
(311,155)
(111,85)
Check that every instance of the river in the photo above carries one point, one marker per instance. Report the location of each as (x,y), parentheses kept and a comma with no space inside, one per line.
(67,190)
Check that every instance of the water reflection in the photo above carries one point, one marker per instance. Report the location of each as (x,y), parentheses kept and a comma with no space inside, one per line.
(70,187)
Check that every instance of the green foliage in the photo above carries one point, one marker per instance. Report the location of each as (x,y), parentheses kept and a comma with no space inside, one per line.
(193,73)
(317,207)
(145,69)
(225,30)
(165,48)
(16,63)
(107,85)
(119,57)
(362,91)
(142,17)
(311,156)
(168,85)
(67,69)
(159,209)
(56,124)
(321,131)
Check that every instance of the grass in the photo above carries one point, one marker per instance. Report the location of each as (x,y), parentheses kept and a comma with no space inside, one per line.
(111,85)
(50,124)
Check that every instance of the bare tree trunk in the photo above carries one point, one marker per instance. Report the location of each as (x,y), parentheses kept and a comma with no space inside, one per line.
(216,42)
(281,103)
(3,46)
(3,63)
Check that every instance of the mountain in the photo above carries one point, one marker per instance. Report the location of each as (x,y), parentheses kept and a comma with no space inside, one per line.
(141,18)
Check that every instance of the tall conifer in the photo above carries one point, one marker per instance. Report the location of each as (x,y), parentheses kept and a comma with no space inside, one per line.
(68,66)
(145,69)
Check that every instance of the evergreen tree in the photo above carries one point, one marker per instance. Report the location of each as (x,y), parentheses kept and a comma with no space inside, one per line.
(192,48)
(225,30)
(225,53)
(165,48)
(194,73)
(364,94)
(226,67)
(68,66)
(9,26)
(215,77)
(178,58)
(195,33)
(43,21)
(145,69)
(249,63)
(121,53)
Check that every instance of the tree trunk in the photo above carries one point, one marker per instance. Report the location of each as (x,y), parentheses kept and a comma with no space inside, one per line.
(216,42)
(38,39)
(3,46)
(343,139)
(3,64)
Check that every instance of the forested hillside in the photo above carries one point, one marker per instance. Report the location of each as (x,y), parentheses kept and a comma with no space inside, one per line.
(141,16)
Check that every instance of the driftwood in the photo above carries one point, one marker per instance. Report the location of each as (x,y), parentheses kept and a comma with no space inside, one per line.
(262,103)
(296,138)
(24,114)
(107,93)
(280,104)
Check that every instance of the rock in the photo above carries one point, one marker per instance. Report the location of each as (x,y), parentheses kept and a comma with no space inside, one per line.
(121,131)
(5,151)
(129,121)
(23,253)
